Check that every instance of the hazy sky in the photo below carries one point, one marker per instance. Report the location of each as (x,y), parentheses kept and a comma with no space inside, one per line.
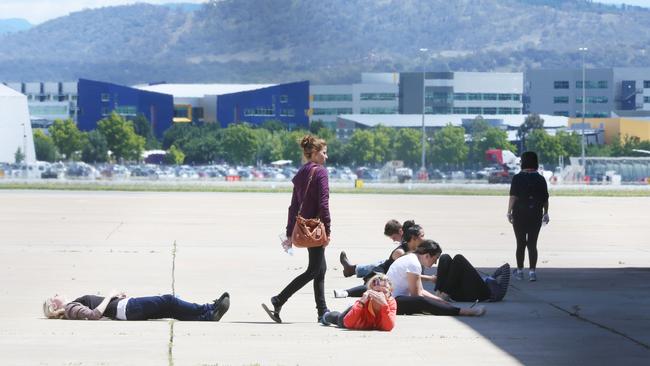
(38,11)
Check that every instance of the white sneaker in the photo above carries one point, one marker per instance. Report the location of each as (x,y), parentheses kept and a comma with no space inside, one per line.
(518,274)
(340,294)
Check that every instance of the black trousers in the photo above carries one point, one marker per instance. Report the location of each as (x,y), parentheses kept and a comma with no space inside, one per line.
(526,229)
(408,305)
(315,271)
(460,280)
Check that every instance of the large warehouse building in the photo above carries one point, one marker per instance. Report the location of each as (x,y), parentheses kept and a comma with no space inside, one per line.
(15,127)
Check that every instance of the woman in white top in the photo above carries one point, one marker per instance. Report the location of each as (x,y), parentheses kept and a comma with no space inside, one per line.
(406,276)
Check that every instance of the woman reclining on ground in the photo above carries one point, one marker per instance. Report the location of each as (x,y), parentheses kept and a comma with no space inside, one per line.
(117,306)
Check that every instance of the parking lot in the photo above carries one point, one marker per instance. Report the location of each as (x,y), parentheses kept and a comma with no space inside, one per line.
(588,307)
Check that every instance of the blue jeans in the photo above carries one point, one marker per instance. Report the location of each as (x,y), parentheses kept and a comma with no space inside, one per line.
(363,270)
(166,306)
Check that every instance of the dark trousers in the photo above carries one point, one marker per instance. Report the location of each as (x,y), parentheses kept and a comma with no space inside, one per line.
(315,271)
(408,305)
(526,231)
(166,306)
(337,318)
(460,280)
(357,291)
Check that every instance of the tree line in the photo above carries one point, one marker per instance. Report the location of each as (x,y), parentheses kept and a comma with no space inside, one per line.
(117,139)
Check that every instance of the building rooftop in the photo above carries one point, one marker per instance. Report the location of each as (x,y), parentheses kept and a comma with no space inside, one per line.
(200,90)
(441,120)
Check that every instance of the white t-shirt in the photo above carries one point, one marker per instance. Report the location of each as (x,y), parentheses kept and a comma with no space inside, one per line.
(397,273)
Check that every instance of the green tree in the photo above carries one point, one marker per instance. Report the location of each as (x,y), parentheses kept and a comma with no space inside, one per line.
(407,146)
(174,156)
(239,144)
(291,149)
(19,157)
(570,143)
(44,146)
(449,146)
(361,147)
(531,123)
(201,150)
(547,147)
(268,146)
(67,137)
(489,138)
(316,126)
(96,148)
(142,127)
(384,141)
(273,125)
(121,137)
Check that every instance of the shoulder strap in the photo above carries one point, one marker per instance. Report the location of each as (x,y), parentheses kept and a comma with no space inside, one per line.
(311,175)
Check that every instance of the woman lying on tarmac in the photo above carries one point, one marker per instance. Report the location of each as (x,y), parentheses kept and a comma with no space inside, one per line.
(117,306)
(376,310)
(405,275)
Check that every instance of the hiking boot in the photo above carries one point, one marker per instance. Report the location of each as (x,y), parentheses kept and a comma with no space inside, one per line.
(349,270)
(221,306)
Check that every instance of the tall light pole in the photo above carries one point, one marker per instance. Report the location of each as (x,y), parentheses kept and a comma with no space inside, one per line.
(424,103)
(583,50)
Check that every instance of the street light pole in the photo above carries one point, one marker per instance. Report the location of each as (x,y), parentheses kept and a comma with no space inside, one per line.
(424,103)
(583,50)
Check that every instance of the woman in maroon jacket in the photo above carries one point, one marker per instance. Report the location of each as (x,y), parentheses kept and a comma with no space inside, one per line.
(315,204)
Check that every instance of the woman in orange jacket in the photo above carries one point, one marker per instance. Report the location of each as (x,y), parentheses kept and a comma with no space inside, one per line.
(375,310)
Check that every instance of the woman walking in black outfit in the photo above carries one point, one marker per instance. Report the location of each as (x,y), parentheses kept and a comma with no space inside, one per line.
(527,209)
(311,198)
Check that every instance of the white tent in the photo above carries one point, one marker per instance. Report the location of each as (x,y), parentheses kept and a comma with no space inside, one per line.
(15,127)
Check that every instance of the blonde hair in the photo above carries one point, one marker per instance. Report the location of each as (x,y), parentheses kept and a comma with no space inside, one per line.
(311,144)
(381,277)
(50,311)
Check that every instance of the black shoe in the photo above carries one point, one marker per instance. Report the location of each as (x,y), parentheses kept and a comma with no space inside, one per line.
(221,306)
(275,313)
(321,314)
(349,270)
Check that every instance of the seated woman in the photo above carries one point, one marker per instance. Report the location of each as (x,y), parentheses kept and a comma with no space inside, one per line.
(412,237)
(457,279)
(393,230)
(411,298)
(376,310)
(117,306)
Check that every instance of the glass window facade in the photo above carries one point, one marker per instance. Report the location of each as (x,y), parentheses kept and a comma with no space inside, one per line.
(646,84)
(259,112)
(105,97)
(460,96)
(126,110)
(378,96)
(562,84)
(289,112)
(379,110)
(592,84)
(474,110)
(284,98)
(489,96)
(331,111)
(646,99)
(593,114)
(561,113)
(560,100)
(41,110)
(332,97)
(593,100)
(460,110)
(489,111)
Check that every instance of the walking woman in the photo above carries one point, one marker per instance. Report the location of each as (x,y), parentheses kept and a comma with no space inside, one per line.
(311,200)
(527,209)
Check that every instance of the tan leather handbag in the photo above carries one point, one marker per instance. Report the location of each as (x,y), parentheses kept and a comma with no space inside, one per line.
(308,233)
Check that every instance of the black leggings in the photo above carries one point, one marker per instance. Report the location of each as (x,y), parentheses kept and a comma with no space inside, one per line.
(526,232)
(315,271)
(408,305)
(460,280)
(337,317)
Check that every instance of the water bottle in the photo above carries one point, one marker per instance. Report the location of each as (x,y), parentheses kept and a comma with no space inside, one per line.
(286,245)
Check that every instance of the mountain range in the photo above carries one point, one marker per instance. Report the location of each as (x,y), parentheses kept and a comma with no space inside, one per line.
(325,41)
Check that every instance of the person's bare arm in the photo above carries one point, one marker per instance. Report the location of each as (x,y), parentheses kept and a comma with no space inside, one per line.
(397,253)
(511,205)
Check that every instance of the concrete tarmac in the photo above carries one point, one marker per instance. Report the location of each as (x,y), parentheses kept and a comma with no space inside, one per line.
(590,305)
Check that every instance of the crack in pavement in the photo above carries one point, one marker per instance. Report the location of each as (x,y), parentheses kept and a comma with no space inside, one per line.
(115,230)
